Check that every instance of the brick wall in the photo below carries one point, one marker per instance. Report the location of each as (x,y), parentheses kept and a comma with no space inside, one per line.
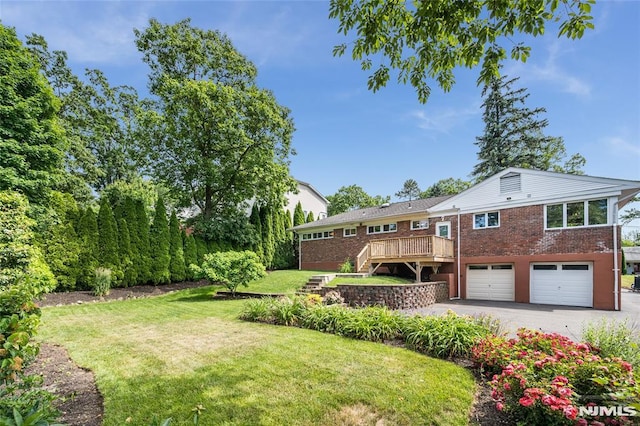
(521,232)
(406,296)
(327,255)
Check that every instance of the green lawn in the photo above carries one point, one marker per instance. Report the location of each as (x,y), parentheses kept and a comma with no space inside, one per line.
(372,280)
(627,281)
(165,355)
(281,282)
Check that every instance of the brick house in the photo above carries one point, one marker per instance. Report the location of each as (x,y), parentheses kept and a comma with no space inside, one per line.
(522,235)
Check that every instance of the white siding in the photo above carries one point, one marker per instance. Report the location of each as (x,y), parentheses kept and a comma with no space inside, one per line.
(310,201)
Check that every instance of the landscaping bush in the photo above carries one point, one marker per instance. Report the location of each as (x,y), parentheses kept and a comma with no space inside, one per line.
(445,336)
(231,268)
(374,324)
(346,267)
(614,339)
(545,378)
(333,298)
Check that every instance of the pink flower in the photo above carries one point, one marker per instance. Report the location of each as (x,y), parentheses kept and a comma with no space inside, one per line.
(525,401)
(523,383)
(499,406)
(564,391)
(548,399)
(570,412)
(507,386)
(560,379)
(626,366)
(582,422)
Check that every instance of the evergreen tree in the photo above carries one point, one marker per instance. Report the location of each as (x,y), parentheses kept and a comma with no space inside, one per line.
(134,237)
(88,257)
(143,243)
(108,241)
(410,190)
(201,248)
(59,241)
(513,135)
(310,217)
(190,254)
(176,265)
(298,215)
(130,273)
(159,241)
(254,219)
(268,241)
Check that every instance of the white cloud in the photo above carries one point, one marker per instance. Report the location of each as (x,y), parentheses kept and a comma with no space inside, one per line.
(552,71)
(90,32)
(443,120)
(622,145)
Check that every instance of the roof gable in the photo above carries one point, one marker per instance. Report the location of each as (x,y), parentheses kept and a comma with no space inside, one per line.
(536,187)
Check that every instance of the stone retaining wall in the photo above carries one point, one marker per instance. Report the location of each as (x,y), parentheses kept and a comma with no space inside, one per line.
(405,296)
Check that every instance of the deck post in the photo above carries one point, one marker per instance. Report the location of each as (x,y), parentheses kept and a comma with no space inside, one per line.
(418,272)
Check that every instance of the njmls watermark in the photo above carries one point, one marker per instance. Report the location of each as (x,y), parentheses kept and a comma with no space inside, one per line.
(610,411)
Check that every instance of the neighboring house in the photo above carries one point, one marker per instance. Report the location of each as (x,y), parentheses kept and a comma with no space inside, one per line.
(521,235)
(310,199)
(632,259)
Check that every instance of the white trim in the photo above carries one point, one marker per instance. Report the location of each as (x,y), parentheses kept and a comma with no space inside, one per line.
(422,224)
(486,220)
(446,223)
(318,235)
(382,231)
(354,229)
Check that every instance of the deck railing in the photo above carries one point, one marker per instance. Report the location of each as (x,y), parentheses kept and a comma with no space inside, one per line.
(408,247)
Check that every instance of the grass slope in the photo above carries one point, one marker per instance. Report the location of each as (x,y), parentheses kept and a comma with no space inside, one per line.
(372,280)
(163,356)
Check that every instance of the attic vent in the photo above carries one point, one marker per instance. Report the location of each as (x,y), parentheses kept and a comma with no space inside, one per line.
(382,206)
(510,182)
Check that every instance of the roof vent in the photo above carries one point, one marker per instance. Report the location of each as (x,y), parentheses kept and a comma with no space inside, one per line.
(382,206)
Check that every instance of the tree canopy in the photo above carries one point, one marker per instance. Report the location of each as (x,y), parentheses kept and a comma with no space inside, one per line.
(426,40)
(352,197)
(32,143)
(410,190)
(213,137)
(514,135)
(448,186)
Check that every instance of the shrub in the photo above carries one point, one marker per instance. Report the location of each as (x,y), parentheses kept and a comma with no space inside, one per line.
(545,378)
(257,310)
(375,324)
(346,267)
(615,339)
(444,336)
(231,268)
(102,282)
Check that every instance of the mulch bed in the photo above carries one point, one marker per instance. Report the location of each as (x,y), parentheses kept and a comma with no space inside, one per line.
(80,401)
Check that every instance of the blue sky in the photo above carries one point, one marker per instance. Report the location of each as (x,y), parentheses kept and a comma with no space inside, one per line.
(348,135)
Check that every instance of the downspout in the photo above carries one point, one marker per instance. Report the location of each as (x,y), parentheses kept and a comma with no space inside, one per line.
(616,271)
(458,254)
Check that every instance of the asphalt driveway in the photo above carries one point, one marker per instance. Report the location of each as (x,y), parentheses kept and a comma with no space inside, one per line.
(566,320)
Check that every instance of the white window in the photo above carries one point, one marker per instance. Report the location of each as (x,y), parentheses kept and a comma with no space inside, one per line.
(349,232)
(381,229)
(443,229)
(420,224)
(577,213)
(486,220)
(322,235)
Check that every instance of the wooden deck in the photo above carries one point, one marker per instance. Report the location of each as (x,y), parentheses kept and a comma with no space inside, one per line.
(428,250)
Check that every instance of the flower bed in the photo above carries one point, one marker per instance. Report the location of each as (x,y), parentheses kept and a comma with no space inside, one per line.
(549,379)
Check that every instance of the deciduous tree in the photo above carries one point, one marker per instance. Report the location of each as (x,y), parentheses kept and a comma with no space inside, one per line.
(427,39)
(232,268)
(214,138)
(448,186)
(352,197)
(32,142)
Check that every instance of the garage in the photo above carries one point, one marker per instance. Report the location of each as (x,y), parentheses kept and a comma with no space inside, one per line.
(566,283)
(491,282)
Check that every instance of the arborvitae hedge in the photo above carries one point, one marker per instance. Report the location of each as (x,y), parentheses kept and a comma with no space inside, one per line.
(190,254)
(130,273)
(310,217)
(88,259)
(176,265)
(108,241)
(298,215)
(268,241)
(159,241)
(254,219)
(134,238)
(144,248)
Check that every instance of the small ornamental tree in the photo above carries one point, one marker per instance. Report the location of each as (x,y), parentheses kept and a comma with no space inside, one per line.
(232,269)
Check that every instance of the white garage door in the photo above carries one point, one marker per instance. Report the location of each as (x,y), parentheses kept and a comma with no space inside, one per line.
(566,283)
(490,282)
